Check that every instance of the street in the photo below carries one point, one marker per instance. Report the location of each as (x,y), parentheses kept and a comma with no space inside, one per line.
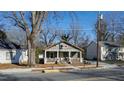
(115,74)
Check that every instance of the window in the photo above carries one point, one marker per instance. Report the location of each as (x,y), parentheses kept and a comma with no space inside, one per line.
(10,55)
(51,54)
(61,46)
(75,54)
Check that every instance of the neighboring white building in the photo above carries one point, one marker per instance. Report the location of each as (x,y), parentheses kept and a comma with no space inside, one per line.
(121,53)
(107,51)
(63,52)
(12,53)
(13,56)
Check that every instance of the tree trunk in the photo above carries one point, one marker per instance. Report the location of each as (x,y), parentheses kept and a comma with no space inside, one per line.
(32,56)
(32,53)
(29,52)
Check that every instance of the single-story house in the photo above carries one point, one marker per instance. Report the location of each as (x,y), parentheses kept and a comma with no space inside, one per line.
(107,51)
(12,53)
(63,52)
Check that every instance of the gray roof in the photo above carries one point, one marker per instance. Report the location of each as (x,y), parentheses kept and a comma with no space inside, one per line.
(112,44)
(6,44)
(67,44)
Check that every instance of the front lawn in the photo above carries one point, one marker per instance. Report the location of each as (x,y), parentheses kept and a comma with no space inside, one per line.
(8,66)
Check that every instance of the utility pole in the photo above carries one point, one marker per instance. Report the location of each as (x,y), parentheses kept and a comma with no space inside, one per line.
(98,30)
(97,63)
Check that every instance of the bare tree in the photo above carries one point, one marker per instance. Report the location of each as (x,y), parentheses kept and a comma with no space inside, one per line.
(48,36)
(19,37)
(3,35)
(114,25)
(31,23)
(66,37)
(83,41)
(75,31)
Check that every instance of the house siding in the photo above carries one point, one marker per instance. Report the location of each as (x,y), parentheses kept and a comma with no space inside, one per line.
(91,51)
(19,56)
(102,54)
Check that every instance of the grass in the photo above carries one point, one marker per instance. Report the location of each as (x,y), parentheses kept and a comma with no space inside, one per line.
(49,65)
(7,66)
(79,65)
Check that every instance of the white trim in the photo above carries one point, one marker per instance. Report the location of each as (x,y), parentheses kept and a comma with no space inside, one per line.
(81,60)
(45,58)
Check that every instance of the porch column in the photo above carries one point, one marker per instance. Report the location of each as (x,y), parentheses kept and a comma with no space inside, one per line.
(70,56)
(45,58)
(58,55)
(81,60)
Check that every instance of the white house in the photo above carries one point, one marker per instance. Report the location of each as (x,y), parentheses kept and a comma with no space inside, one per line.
(121,53)
(63,52)
(12,53)
(107,51)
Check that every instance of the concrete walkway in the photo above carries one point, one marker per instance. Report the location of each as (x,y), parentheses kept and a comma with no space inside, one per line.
(104,65)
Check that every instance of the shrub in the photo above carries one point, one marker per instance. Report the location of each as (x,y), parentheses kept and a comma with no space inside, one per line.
(38,51)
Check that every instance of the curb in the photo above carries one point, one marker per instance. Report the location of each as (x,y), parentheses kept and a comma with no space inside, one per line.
(50,71)
(46,71)
(15,70)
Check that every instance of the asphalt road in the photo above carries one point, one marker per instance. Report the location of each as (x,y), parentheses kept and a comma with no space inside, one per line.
(116,74)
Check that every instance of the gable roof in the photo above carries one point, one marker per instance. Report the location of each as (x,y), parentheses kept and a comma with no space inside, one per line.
(6,44)
(112,44)
(92,42)
(102,43)
(76,47)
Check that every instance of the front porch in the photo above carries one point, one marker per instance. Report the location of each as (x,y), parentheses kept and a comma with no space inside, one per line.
(63,57)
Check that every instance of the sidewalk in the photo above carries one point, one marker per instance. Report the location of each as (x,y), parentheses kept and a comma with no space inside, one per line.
(57,68)
(105,65)
(15,70)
